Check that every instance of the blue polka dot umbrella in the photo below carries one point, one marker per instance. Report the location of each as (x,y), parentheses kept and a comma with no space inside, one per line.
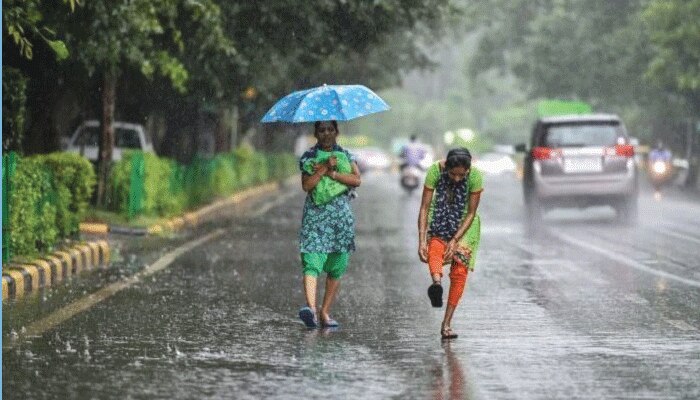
(326,103)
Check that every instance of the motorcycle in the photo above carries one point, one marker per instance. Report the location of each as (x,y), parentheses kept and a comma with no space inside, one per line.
(660,172)
(411,178)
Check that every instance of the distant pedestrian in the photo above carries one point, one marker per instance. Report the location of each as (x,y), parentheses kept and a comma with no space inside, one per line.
(327,236)
(449,227)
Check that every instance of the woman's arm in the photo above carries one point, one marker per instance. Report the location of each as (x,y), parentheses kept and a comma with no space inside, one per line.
(423,223)
(309,182)
(474,199)
(352,179)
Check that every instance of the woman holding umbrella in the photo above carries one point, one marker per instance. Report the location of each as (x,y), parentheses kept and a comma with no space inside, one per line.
(449,227)
(328,173)
(327,233)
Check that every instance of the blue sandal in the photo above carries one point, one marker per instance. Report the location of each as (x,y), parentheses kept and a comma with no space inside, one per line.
(306,314)
(331,323)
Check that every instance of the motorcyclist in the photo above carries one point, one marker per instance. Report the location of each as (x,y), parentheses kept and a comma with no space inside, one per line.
(660,153)
(412,153)
(659,166)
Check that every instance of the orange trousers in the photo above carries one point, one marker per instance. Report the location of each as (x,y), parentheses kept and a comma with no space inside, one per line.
(458,271)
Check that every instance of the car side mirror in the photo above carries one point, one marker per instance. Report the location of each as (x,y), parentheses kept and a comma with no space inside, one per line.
(520,148)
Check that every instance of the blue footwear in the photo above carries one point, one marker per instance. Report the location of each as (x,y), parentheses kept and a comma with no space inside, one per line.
(331,323)
(307,315)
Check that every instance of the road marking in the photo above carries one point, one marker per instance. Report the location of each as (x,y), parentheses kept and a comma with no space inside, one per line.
(680,235)
(680,324)
(61,315)
(622,259)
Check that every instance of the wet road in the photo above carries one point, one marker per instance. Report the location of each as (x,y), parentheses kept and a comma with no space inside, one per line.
(581,308)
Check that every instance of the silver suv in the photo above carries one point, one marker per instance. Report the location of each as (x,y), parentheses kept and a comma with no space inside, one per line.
(580,161)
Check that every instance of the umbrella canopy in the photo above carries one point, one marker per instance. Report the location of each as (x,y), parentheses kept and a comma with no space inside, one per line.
(326,103)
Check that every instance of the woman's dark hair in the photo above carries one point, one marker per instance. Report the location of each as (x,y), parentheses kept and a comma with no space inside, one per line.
(333,122)
(459,157)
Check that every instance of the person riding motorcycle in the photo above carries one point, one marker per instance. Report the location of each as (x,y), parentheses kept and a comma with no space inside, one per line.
(412,155)
(659,165)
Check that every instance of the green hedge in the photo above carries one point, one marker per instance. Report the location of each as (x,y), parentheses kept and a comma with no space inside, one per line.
(160,197)
(48,197)
(75,181)
(169,188)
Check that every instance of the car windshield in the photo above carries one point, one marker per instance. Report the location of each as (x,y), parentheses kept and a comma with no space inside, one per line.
(123,138)
(581,135)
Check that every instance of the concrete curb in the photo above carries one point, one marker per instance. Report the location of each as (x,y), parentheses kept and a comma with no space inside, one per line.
(188,220)
(22,277)
(19,278)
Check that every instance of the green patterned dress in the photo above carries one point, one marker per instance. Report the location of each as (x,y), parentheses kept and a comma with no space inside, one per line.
(327,228)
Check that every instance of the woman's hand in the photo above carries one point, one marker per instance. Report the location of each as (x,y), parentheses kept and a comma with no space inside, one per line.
(423,251)
(321,168)
(450,251)
(333,162)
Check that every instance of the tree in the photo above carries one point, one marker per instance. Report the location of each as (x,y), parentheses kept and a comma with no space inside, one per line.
(675,34)
(113,35)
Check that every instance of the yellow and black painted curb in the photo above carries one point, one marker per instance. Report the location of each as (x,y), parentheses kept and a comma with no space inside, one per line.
(20,278)
(188,220)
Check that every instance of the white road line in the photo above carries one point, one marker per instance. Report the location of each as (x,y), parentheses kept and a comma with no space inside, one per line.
(63,314)
(622,259)
(680,236)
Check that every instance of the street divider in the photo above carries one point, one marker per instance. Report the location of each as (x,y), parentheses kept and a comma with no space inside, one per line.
(22,277)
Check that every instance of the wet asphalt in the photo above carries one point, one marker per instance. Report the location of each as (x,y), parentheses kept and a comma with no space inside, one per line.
(582,307)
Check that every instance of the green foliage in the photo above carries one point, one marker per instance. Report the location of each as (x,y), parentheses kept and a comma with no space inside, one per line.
(223,177)
(14,88)
(32,208)
(159,196)
(74,180)
(675,32)
(170,188)
(48,197)
(282,166)
(24,21)
(246,166)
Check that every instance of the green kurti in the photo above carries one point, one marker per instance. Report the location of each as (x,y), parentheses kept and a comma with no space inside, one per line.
(475,183)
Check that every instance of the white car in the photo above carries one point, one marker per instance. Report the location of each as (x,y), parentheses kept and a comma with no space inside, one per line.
(127,136)
(494,163)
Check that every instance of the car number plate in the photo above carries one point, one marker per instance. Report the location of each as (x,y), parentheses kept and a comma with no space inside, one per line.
(583,165)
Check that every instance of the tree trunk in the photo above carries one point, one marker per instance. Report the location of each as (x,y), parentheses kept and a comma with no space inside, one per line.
(223,125)
(104,158)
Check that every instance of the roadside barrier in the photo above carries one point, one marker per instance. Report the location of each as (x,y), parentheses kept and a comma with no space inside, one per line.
(21,278)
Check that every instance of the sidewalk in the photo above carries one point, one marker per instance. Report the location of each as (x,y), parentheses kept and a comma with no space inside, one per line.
(21,278)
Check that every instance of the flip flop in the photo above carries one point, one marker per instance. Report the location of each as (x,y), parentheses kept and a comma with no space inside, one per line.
(331,323)
(435,295)
(307,315)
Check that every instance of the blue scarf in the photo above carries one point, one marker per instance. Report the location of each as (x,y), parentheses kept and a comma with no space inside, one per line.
(450,201)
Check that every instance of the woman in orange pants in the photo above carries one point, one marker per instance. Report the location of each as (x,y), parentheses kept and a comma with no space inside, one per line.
(449,227)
